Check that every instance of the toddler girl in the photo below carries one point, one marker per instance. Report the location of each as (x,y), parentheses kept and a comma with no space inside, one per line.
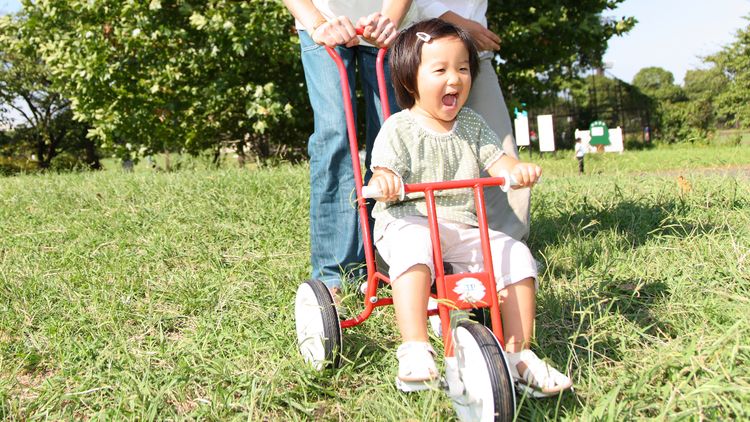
(435,139)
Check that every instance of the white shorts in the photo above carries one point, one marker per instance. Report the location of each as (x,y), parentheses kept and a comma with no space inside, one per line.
(406,242)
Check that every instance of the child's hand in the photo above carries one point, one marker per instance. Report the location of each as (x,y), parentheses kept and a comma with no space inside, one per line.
(526,174)
(386,182)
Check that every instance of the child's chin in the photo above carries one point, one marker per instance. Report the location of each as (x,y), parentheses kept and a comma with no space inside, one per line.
(450,114)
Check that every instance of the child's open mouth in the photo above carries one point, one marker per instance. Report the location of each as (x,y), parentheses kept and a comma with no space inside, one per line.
(450,100)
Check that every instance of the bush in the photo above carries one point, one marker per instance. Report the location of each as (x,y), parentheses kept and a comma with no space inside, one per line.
(65,162)
(10,166)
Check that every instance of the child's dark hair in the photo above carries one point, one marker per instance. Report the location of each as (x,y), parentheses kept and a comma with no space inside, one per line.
(406,56)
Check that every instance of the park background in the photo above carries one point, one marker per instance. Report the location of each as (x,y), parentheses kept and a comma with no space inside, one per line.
(166,292)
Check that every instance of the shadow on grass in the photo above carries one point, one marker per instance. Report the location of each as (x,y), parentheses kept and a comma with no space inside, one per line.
(590,332)
(600,322)
(357,345)
(595,228)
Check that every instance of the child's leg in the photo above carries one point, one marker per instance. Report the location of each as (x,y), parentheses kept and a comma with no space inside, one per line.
(406,247)
(410,294)
(415,355)
(518,310)
(515,273)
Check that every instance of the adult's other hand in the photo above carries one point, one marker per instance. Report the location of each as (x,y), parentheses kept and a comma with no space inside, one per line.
(336,31)
(378,29)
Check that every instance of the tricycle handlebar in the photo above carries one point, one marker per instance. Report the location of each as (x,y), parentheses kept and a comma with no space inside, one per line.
(505,181)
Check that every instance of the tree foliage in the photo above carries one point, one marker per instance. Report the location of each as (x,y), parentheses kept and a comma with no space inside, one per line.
(174,74)
(187,75)
(704,84)
(547,43)
(659,84)
(710,98)
(733,62)
(47,127)
(676,119)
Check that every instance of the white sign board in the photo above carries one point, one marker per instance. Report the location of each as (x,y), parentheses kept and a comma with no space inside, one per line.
(522,130)
(615,140)
(546,133)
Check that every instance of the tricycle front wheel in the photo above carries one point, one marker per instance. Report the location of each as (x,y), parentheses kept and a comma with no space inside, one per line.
(484,390)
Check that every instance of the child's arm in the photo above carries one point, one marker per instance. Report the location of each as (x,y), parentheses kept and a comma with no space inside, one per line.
(386,182)
(526,174)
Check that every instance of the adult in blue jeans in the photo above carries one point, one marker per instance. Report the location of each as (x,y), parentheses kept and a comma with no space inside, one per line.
(337,251)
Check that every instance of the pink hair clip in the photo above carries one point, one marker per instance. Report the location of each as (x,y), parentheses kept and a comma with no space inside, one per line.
(424,36)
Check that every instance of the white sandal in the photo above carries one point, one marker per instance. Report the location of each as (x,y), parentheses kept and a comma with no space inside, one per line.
(539,379)
(416,366)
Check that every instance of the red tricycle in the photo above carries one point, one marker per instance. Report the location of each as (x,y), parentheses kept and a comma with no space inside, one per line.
(477,375)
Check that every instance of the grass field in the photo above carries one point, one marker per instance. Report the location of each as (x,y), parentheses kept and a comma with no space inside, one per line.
(152,296)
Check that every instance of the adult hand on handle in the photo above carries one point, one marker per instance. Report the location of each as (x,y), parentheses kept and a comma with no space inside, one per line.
(334,32)
(484,39)
(378,29)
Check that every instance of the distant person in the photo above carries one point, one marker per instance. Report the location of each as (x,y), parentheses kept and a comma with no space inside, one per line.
(435,138)
(506,212)
(580,151)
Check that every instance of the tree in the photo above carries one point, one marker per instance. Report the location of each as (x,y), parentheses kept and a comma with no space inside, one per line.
(700,84)
(178,74)
(675,118)
(547,43)
(659,84)
(174,74)
(47,127)
(733,61)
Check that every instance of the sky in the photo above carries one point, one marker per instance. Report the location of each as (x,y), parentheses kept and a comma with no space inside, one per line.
(672,34)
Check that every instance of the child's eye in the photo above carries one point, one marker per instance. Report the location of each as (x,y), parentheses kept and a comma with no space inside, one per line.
(440,70)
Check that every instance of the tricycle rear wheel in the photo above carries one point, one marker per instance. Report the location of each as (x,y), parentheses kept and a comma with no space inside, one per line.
(317,322)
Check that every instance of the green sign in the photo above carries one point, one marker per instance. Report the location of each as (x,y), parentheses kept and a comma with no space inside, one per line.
(599,133)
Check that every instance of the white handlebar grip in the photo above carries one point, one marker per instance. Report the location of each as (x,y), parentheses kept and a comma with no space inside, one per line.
(374,192)
(371,192)
(510,181)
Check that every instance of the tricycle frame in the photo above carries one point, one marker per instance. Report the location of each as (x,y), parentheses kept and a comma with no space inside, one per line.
(447,299)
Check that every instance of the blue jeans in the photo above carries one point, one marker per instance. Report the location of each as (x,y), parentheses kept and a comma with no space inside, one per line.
(337,252)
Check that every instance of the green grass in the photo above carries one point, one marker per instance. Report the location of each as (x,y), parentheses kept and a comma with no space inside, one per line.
(169,296)
(665,159)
